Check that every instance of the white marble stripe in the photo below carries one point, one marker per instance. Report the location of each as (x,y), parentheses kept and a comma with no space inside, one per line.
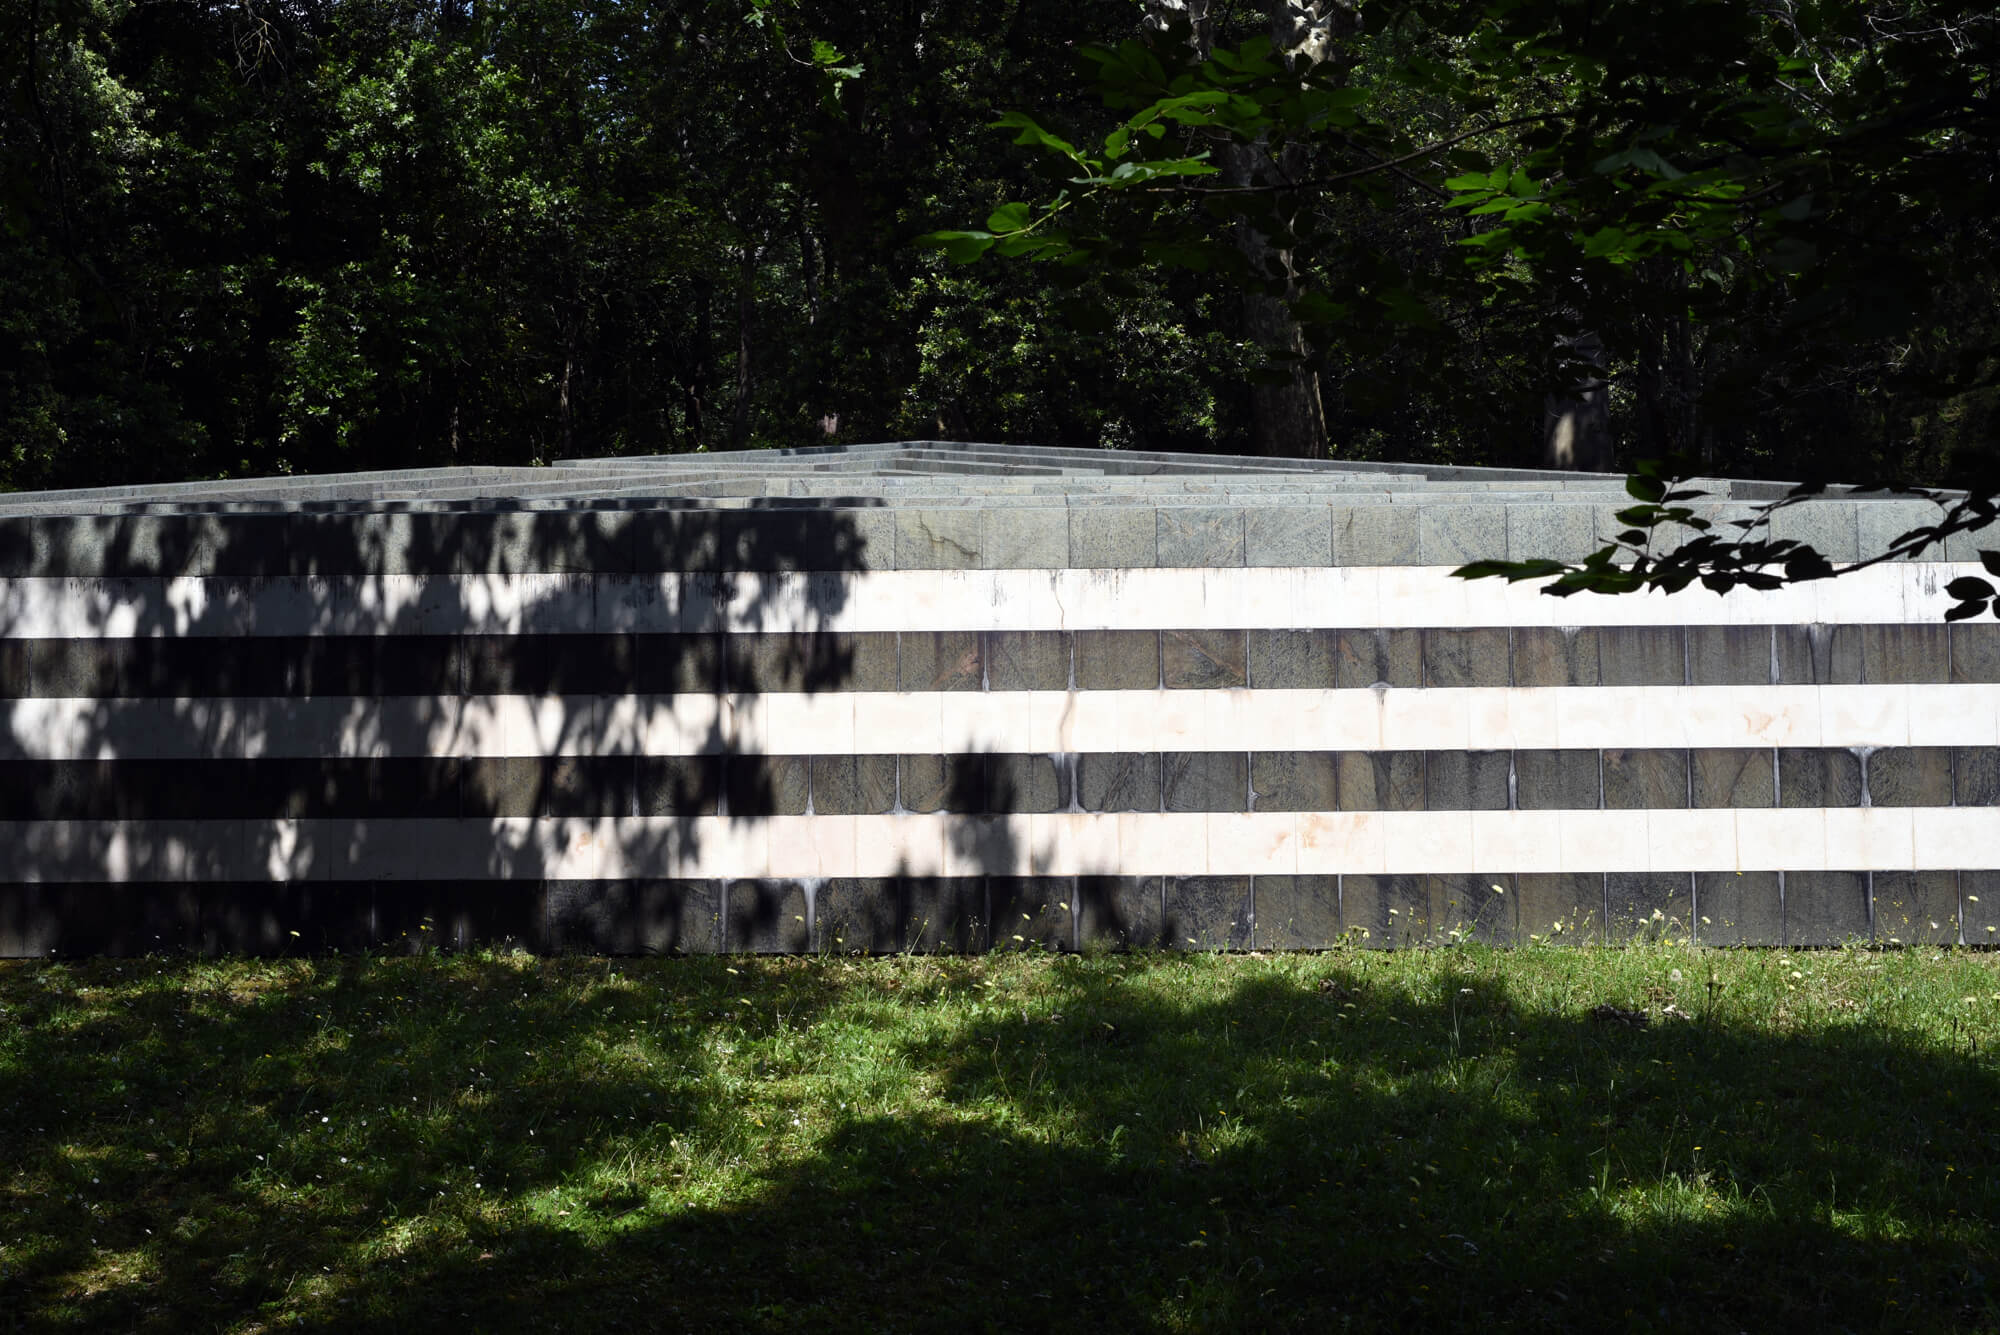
(944,722)
(1253,598)
(1059,844)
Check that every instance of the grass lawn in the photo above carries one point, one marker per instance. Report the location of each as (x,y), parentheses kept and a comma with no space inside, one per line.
(1357,1140)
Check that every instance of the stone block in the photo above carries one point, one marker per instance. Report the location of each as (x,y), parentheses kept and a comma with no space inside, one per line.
(1967,546)
(1976,776)
(553,542)
(586,665)
(766,917)
(1202,659)
(954,783)
(1290,659)
(78,669)
(1562,909)
(1641,656)
(681,664)
(1975,651)
(1979,907)
(1825,908)
(1734,777)
(675,540)
(1117,660)
(1200,536)
(858,916)
(1832,528)
(1474,908)
(1026,660)
(1880,523)
(676,785)
(1554,656)
(417,916)
(1020,537)
(1550,532)
(1118,781)
(1113,537)
(1909,776)
(1557,780)
(759,785)
(1289,535)
(1915,908)
(1451,535)
(1375,535)
(1467,780)
(1379,780)
(1293,781)
(1729,656)
(944,914)
(1739,908)
(1296,912)
(1027,783)
(295,918)
(1207,913)
(941,539)
(1121,912)
(505,786)
(1466,657)
(1365,658)
(571,786)
(1889,654)
(1645,779)
(939,661)
(869,534)
(1389,912)
(1649,906)
(1032,912)
(1818,778)
(1205,781)
(853,785)
(1802,654)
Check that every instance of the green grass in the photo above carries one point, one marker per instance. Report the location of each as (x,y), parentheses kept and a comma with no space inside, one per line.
(1358,1140)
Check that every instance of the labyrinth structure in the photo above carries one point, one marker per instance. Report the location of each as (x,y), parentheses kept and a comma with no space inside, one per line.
(936,696)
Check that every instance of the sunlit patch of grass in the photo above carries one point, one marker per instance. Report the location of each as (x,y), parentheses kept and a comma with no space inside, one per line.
(1198,1141)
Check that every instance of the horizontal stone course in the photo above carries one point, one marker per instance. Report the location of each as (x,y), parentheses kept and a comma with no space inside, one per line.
(932,696)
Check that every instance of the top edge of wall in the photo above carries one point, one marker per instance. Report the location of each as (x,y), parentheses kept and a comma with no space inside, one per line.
(908,505)
(887,473)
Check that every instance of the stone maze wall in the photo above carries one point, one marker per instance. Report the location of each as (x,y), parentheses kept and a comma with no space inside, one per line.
(928,696)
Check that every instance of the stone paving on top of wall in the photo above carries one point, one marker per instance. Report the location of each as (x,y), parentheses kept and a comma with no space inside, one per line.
(937,696)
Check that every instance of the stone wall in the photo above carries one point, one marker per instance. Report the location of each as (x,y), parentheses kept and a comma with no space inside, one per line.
(954,697)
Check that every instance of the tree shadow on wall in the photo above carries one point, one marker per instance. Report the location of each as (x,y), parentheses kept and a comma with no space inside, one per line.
(1136,1142)
(266,731)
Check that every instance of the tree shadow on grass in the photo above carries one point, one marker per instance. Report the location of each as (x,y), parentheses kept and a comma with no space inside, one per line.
(1133,1142)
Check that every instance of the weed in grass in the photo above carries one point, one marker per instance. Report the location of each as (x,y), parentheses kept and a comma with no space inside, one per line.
(1361,1139)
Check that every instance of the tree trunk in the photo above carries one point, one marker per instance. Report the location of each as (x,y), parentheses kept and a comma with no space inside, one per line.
(1576,424)
(1288,419)
(746,311)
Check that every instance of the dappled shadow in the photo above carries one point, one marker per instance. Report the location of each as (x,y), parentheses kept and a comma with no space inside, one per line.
(1136,1142)
(273,729)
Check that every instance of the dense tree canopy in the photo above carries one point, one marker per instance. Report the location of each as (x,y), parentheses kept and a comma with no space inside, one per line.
(307,236)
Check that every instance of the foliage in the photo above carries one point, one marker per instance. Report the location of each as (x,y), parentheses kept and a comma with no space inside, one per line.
(1366,1140)
(1764,225)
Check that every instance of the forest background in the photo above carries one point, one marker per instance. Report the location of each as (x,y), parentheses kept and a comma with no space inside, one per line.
(250,239)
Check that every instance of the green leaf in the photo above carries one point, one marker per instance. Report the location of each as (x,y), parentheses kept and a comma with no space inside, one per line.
(962,247)
(1644,488)
(1008,218)
(1029,132)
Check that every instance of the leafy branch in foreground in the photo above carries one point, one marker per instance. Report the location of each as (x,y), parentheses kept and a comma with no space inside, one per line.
(1751,558)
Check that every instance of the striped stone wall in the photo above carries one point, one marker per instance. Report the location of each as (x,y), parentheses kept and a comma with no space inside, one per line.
(961,698)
